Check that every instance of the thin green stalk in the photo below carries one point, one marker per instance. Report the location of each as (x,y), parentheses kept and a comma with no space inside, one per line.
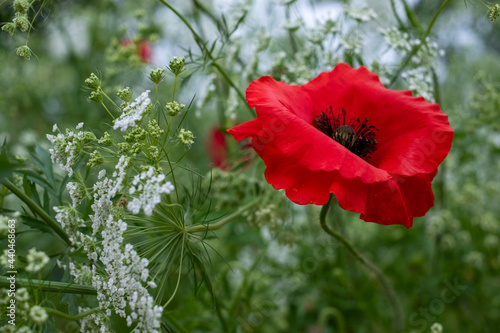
(51,286)
(395,12)
(381,278)
(331,312)
(109,99)
(175,85)
(33,21)
(70,317)
(178,277)
(104,106)
(38,210)
(417,47)
(204,49)
(221,223)
(173,322)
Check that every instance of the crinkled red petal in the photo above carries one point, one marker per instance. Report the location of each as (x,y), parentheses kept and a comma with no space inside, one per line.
(392,188)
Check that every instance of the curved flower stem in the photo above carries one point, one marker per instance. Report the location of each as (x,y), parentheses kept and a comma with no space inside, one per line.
(218,225)
(38,210)
(382,279)
(70,317)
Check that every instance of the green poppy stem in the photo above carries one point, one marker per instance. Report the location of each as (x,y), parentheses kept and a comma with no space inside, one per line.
(381,278)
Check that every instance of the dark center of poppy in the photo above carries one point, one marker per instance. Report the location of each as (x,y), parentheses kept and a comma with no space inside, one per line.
(356,135)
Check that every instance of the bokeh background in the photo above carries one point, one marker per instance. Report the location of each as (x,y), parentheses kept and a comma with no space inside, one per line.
(277,271)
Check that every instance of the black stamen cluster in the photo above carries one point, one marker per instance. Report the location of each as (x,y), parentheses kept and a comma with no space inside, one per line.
(364,143)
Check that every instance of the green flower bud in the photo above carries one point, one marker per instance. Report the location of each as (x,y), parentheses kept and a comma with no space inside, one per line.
(123,147)
(95,159)
(93,82)
(176,65)
(136,148)
(494,12)
(88,137)
(21,21)
(186,137)
(21,6)
(105,140)
(154,130)
(154,153)
(139,13)
(173,108)
(125,94)
(118,210)
(156,75)
(24,51)
(9,27)
(96,96)
(153,38)
(136,134)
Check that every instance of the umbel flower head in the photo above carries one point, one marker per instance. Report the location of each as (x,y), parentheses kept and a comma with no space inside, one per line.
(377,150)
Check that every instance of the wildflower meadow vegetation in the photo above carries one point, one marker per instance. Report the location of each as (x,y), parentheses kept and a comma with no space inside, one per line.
(249,166)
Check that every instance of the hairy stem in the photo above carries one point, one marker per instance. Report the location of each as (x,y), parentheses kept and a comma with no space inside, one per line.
(381,278)
(51,286)
(38,210)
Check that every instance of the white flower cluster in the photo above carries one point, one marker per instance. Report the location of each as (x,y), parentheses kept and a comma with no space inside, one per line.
(66,149)
(70,221)
(360,14)
(38,314)
(121,288)
(420,82)
(94,323)
(352,43)
(36,260)
(76,192)
(396,39)
(133,113)
(419,73)
(148,189)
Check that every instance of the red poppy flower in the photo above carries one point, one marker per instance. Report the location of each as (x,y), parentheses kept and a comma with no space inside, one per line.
(142,49)
(377,150)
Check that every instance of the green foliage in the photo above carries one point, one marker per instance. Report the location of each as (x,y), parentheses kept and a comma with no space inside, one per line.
(224,251)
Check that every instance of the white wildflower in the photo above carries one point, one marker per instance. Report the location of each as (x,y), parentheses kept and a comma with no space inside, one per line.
(38,314)
(102,173)
(77,192)
(133,113)
(79,126)
(36,260)
(420,82)
(70,221)
(437,328)
(54,128)
(396,39)
(4,225)
(360,14)
(94,323)
(352,43)
(66,149)
(22,295)
(4,259)
(148,189)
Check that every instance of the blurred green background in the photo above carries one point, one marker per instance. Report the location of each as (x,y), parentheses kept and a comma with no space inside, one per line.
(304,282)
